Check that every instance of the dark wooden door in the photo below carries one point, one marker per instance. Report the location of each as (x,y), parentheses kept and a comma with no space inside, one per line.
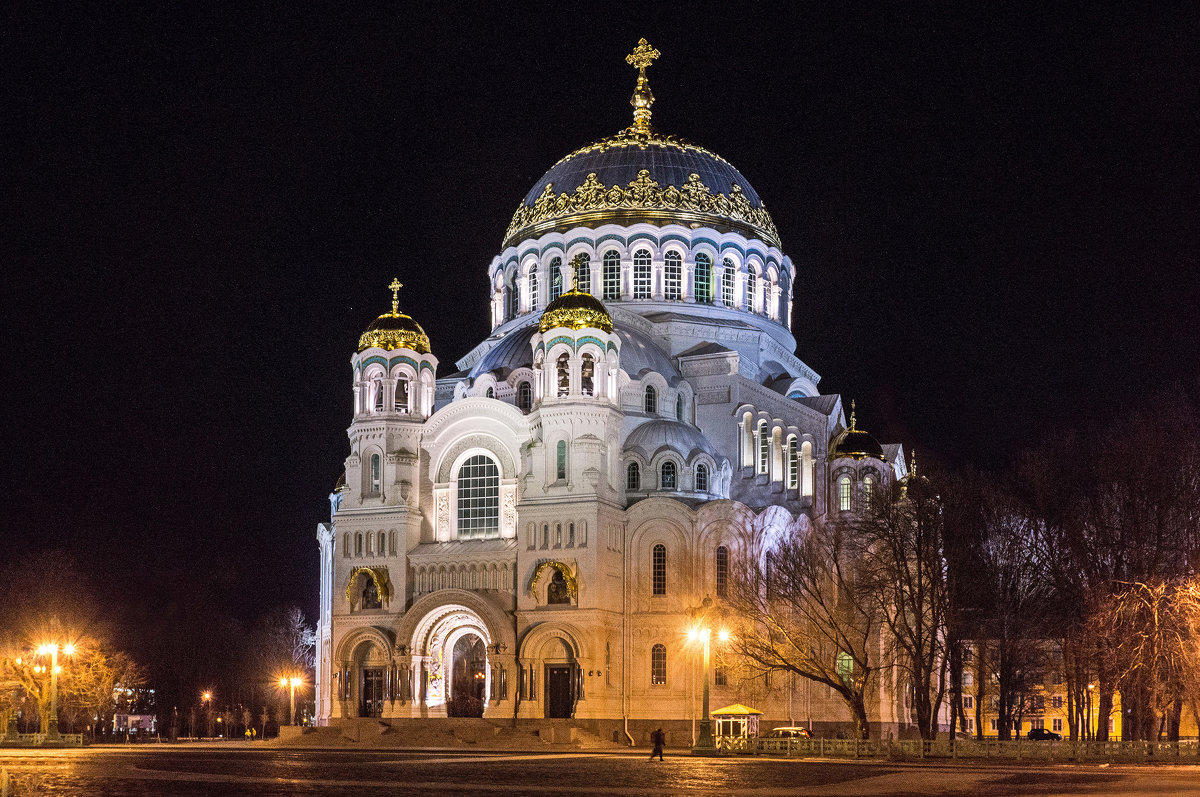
(558,692)
(370,703)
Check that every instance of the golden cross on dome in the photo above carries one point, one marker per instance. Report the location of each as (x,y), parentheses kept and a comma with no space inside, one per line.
(852,414)
(395,289)
(641,57)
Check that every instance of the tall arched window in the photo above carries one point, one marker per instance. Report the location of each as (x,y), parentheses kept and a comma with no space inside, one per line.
(401,403)
(702,478)
(611,275)
(533,288)
(376,474)
(556,279)
(728,278)
(793,463)
(587,370)
(489,393)
(658,570)
(844,494)
(641,274)
(806,470)
(564,375)
(524,397)
(651,400)
(358,544)
(868,490)
(478,498)
(658,665)
(667,475)
(722,571)
(672,275)
(346,545)
(377,389)
(560,460)
(583,273)
(751,290)
(764,447)
(704,278)
(633,477)
(679,408)
(381,547)
(513,286)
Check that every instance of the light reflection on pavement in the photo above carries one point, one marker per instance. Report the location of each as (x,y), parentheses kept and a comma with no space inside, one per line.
(265,772)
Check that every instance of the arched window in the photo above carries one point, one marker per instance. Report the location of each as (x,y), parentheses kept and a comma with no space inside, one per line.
(524,397)
(377,389)
(478,498)
(764,447)
(722,571)
(358,544)
(679,408)
(792,463)
(587,368)
(658,665)
(666,479)
(392,543)
(560,466)
(611,275)
(806,470)
(704,278)
(868,490)
(633,477)
(641,274)
(489,393)
(346,545)
(564,375)
(672,275)
(583,273)
(533,288)
(751,290)
(381,547)
(702,478)
(514,295)
(728,277)
(556,279)
(370,544)
(844,494)
(651,401)
(401,403)
(376,474)
(658,570)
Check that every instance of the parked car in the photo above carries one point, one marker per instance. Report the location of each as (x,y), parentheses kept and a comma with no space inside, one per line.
(789,733)
(1043,735)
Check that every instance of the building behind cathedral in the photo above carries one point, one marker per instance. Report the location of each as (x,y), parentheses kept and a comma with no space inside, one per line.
(529,536)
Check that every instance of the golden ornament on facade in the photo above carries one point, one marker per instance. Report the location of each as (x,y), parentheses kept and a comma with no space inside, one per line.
(568,577)
(378,575)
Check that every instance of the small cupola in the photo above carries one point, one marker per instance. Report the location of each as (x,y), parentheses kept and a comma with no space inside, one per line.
(854,443)
(395,330)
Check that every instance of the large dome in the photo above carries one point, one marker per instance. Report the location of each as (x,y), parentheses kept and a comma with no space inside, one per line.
(642,175)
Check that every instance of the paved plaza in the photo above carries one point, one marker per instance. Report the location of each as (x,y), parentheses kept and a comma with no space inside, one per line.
(231,771)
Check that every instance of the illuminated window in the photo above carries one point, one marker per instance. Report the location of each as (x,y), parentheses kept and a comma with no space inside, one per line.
(728,277)
(533,289)
(667,476)
(806,470)
(764,447)
(844,494)
(672,275)
(845,666)
(702,478)
(704,279)
(751,290)
(641,274)
(401,403)
(478,498)
(556,279)
(651,399)
(561,460)
(583,273)
(793,463)
(633,477)
(524,397)
(587,368)
(658,665)
(868,490)
(722,571)
(658,571)
(611,275)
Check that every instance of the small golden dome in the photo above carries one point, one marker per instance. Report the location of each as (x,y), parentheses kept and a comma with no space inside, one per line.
(855,443)
(576,309)
(395,330)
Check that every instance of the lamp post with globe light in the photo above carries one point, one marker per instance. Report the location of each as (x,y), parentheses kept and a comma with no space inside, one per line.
(51,649)
(291,682)
(700,632)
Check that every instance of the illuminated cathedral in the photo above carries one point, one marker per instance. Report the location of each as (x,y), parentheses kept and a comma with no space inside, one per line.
(530,536)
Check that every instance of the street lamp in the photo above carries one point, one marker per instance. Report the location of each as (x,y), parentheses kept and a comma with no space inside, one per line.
(700,632)
(292,682)
(51,649)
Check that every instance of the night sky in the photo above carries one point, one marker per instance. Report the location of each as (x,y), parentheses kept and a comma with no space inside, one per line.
(993,212)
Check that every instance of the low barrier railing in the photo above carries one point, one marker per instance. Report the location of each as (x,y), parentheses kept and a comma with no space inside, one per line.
(1182,751)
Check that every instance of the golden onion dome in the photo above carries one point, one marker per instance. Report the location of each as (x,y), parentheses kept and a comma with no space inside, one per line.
(395,330)
(855,443)
(576,309)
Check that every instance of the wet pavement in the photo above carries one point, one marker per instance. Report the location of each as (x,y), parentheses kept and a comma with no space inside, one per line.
(264,772)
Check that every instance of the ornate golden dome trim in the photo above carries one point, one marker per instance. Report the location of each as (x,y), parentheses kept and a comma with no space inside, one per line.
(575,318)
(642,193)
(389,339)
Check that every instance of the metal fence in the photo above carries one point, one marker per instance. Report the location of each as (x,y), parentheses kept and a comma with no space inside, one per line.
(39,740)
(1182,751)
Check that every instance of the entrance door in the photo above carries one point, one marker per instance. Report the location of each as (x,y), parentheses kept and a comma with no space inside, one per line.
(468,678)
(558,691)
(370,703)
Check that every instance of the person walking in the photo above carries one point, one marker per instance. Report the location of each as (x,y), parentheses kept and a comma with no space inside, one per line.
(658,738)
